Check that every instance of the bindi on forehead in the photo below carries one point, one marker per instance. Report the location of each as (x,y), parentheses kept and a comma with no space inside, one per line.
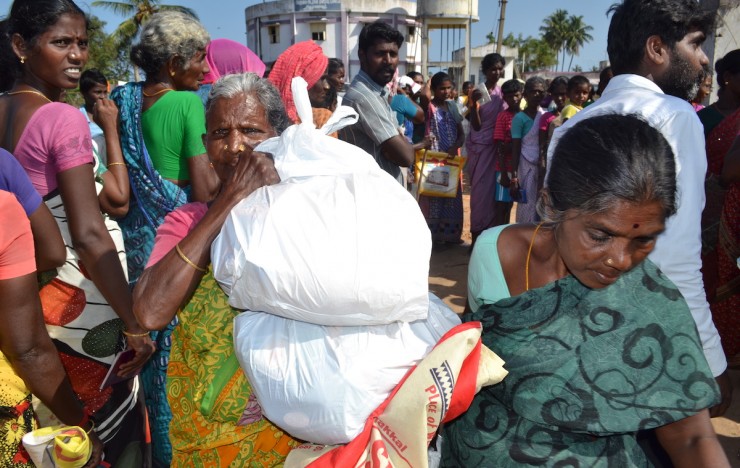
(636,226)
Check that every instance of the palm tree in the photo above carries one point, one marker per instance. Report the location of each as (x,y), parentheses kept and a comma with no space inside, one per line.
(555,31)
(139,11)
(577,36)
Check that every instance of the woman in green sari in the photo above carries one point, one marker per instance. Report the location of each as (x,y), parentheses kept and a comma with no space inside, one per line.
(598,343)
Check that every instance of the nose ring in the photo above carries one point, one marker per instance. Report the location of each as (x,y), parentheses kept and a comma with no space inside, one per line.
(242,147)
(609,262)
(226,147)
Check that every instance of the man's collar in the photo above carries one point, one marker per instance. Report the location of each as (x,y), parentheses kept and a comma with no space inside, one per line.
(627,80)
(382,90)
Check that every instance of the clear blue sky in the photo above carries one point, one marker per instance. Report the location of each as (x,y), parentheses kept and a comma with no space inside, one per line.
(225,18)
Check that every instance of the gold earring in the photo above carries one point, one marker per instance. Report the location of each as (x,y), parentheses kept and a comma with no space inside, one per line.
(23,59)
(172,73)
(242,148)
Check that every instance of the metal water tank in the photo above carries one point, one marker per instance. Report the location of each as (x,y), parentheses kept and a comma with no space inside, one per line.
(448,8)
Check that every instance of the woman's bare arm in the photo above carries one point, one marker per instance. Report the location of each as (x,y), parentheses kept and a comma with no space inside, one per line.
(164,287)
(691,442)
(47,240)
(98,254)
(114,198)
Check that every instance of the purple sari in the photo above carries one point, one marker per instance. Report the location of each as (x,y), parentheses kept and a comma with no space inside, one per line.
(481,164)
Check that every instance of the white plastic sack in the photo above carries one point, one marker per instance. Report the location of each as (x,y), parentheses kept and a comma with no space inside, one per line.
(337,242)
(320,384)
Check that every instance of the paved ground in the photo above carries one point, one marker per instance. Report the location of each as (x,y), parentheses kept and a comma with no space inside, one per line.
(448,278)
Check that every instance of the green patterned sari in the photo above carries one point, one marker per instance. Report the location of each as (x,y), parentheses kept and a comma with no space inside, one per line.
(587,369)
(216,420)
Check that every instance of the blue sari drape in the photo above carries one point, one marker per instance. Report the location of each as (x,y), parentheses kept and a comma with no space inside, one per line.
(152,198)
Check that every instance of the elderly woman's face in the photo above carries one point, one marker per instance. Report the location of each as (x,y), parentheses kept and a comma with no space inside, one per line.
(234,126)
(598,248)
(190,77)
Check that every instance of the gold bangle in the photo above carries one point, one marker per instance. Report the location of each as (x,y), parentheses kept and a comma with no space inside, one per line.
(187,260)
(116,164)
(135,335)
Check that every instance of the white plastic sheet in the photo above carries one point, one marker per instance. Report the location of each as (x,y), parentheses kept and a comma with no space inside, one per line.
(321,383)
(337,242)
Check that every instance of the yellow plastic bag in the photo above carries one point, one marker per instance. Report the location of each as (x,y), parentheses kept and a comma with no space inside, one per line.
(437,173)
(58,446)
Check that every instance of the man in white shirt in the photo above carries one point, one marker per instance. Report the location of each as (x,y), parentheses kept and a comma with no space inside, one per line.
(655,53)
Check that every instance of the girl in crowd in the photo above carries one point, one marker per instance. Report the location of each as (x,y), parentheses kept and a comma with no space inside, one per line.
(720,219)
(335,76)
(161,124)
(705,89)
(481,165)
(726,305)
(558,92)
(728,93)
(216,419)
(512,90)
(88,304)
(444,127)
(579,88)
(525,151)
(597,342)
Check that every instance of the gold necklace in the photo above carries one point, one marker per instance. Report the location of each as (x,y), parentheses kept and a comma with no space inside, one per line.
(164,90)
(529,255)
(29,91)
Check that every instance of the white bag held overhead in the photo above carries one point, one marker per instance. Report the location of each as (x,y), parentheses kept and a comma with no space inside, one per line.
(337,242)
(321,383)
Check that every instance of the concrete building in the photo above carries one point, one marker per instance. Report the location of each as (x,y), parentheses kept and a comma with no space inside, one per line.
(726,36)
(273,26)
(476,57)
(335,25)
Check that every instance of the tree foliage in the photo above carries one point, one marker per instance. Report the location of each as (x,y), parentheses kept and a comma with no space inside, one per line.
(561,33)
(566,34)
(138,13)
(533,53)
(104,54)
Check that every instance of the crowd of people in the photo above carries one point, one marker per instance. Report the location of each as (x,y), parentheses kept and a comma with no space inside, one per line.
(613,299)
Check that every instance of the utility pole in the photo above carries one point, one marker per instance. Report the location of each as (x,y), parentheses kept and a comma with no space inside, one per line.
(501,26)
(467,73)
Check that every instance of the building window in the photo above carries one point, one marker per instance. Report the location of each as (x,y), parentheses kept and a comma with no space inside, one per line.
(318,31)
(274,33)
(412,34)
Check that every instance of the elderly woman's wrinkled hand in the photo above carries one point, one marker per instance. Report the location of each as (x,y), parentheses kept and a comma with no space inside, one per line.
(251,172)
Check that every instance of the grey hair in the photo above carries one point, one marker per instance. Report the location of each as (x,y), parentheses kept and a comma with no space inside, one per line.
(230,86)
(166,34)
(535,80)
